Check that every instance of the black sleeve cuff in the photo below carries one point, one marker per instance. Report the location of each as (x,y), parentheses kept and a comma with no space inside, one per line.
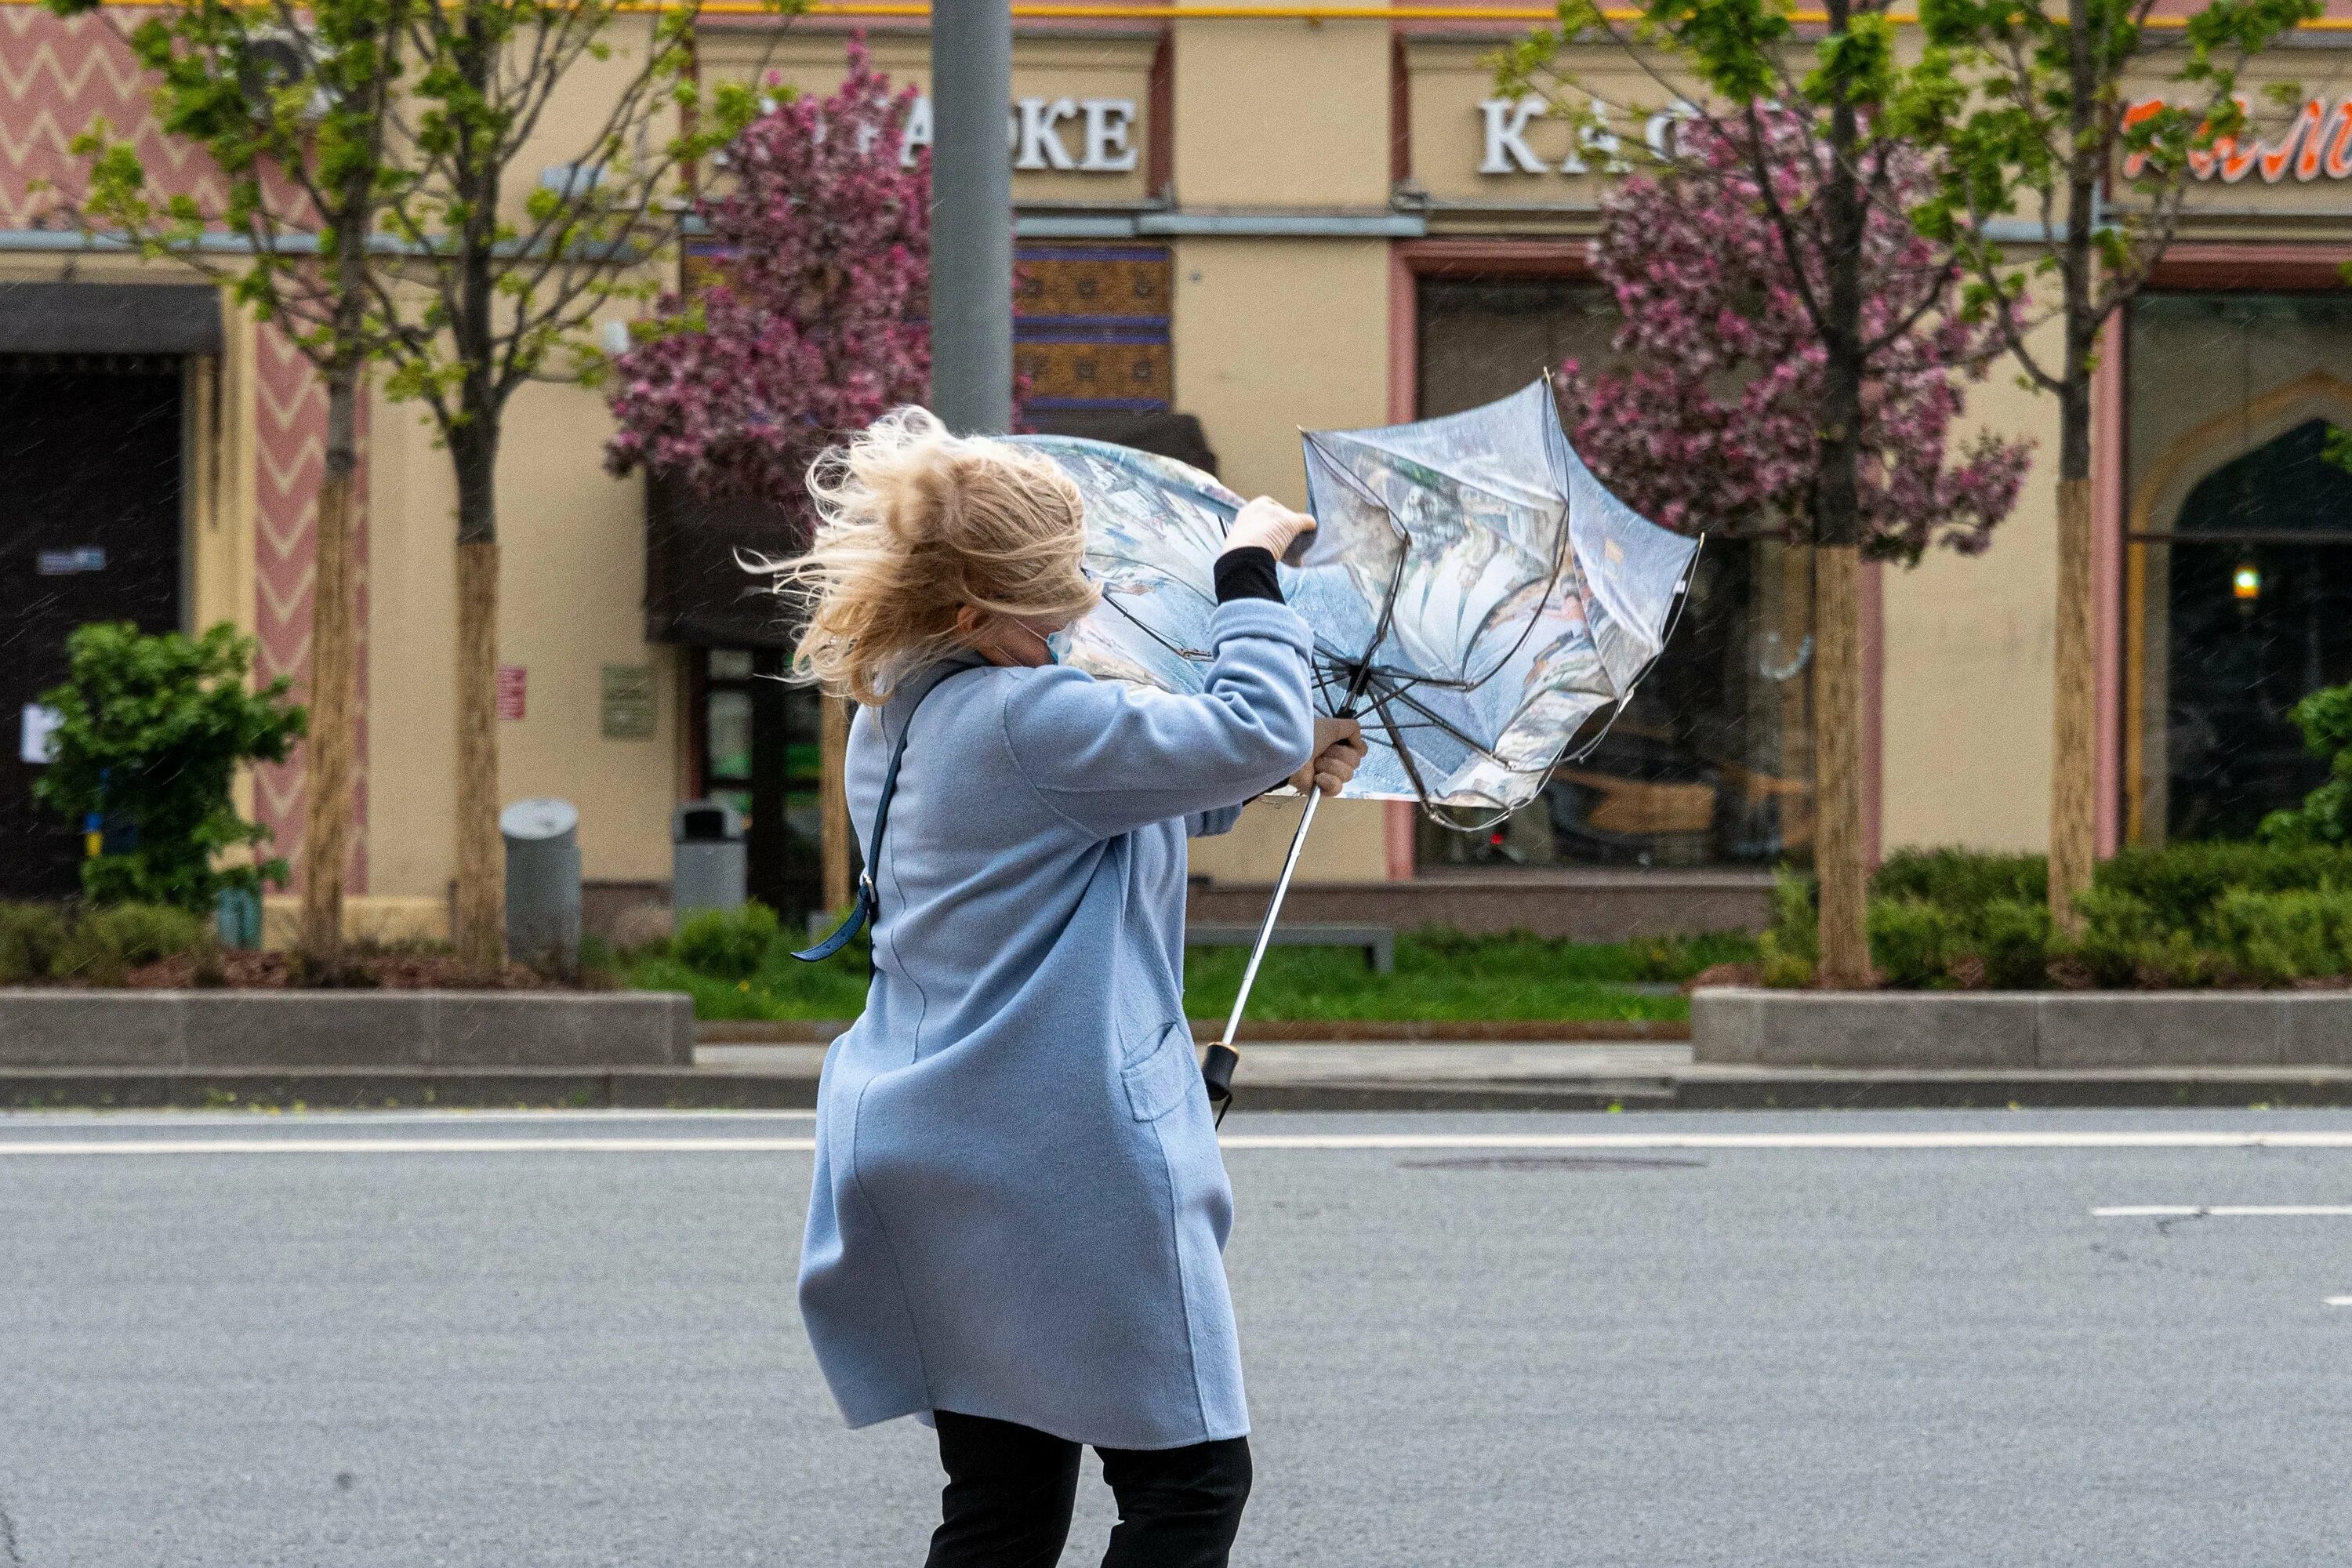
(1247,573)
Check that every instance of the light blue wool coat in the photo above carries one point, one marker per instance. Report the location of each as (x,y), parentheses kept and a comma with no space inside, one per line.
(1020,1209)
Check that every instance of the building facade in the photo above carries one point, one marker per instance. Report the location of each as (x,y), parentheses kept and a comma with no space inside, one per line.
(1260,224)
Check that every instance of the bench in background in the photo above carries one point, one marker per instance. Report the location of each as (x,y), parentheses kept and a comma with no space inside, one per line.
(1378,942)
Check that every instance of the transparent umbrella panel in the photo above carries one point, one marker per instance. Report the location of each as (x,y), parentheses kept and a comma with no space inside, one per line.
(1476,596)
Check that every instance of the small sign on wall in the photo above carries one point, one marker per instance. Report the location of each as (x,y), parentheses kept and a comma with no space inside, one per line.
(511,682)
(69,563)
(627,705)
(37,742)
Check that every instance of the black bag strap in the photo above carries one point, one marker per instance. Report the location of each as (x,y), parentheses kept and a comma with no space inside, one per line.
(867,909)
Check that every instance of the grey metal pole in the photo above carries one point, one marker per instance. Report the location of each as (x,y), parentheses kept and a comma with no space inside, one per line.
(971,213)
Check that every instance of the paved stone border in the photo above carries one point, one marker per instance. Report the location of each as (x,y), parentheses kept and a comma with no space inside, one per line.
(391,1030)
(2076,1030)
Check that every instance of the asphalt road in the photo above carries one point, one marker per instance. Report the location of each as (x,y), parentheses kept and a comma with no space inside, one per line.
(1774,1353)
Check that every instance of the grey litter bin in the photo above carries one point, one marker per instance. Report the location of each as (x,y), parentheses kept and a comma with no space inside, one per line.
(709,862)
(542,882)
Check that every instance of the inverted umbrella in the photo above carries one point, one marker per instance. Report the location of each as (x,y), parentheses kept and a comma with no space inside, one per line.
(1476,595)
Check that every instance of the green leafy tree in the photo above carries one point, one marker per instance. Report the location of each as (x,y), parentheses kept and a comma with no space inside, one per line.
(493,286)
(2325,815)
(151,734)
(1820,164)
(2060,197)
(295,107)
(477,277)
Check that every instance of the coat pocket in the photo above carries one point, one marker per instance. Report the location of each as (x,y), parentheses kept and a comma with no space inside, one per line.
(1158,1082)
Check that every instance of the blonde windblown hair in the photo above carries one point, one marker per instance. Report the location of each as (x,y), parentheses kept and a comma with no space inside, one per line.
(912,523)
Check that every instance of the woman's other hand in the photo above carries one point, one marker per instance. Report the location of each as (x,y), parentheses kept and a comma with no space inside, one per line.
(1338,748)
(1269,525)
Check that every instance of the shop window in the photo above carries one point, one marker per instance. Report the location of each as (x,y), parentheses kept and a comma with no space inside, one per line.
(1710,763)
(2238,563)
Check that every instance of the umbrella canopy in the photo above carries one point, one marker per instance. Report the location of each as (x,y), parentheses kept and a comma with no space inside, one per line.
(1476,596)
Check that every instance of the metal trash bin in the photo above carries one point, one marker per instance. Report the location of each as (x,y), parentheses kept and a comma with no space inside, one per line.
(542,882)
(709,860)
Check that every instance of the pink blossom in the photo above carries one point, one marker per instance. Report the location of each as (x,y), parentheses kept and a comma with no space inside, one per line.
(1710,422)
(812,323)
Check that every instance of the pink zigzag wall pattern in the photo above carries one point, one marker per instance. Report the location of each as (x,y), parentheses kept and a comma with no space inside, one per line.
(57,76)
(291,409)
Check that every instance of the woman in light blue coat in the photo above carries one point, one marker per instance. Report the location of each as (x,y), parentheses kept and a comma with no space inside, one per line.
(1019,1212)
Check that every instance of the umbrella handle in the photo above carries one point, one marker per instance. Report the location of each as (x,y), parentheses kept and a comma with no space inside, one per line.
(1217,1066)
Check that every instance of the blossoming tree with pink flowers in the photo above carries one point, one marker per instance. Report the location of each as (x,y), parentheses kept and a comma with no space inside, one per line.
(1713,420)
(809,324)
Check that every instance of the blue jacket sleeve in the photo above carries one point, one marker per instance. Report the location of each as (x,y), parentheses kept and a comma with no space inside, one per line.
(1108,756)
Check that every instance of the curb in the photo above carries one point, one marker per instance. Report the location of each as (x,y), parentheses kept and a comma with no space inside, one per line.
(707,1088)
(1553,1031)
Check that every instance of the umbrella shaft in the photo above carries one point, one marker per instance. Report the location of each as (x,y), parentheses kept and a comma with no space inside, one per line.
(1273,913)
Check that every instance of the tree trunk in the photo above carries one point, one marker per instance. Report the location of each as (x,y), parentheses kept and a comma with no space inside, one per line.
(2075,707)
(2074,739)
(1838,855)
(481,873)
(480,931)
(838,841)
(330,753)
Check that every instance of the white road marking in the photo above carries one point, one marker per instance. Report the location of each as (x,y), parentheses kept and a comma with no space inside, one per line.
(2337,1301)
(279,1116)
(414,1146)
(2225,1211)
(1892,1140)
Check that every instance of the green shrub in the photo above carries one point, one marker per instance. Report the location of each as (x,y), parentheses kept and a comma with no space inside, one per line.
(1790,946)
(2126,941)
(2012,937)
(30,936)
(1960,880)
(150,733)
(1912,941)
(2325,815)
(729,943)
(108,941)
(2182,884)
(2276,938)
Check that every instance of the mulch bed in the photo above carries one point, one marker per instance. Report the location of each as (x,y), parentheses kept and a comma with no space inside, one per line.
(245,971)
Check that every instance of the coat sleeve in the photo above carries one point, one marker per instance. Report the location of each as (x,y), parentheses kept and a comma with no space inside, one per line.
(1109,756)
(1209,823)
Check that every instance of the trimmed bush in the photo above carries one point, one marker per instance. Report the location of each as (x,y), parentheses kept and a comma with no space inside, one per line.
(107,942)
(1913,943)
(2188,915)
(729,943)
(30,937)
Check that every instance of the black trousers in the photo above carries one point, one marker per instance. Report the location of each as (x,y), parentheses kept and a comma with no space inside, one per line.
(1011,1488)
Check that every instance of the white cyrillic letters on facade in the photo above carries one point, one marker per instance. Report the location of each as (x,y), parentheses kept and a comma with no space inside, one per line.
(1040,145)
(1507,151)
(1108,150)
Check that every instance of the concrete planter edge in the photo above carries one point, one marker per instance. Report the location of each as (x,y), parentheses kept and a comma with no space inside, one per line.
(2071,1030)
(204,1029)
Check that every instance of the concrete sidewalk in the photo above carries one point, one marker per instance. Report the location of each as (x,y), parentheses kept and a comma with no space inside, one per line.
(1287,1076)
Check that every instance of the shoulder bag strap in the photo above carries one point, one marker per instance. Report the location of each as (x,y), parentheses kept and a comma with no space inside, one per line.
(866,909)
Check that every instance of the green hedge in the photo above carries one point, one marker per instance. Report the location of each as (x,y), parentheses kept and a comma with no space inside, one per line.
(2188,915)
(90,945)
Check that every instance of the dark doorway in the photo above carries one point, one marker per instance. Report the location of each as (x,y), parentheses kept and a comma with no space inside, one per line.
(89,531)
(759,745)
(2261,616)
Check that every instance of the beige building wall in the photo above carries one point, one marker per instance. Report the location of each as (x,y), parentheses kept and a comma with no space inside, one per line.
(1282,114)
(572,573)
(1968,652)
